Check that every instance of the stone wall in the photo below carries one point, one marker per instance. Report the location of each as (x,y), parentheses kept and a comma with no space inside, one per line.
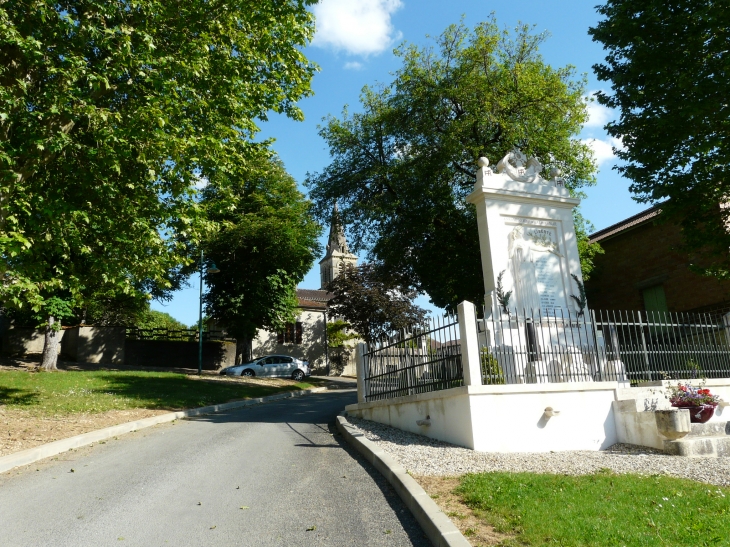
(107,345)
(100,345)
(160,353)
(103,345)
(28,341)
(645,256)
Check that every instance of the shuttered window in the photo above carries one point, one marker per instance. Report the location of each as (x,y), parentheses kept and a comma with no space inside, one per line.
(655,299)
(293,334)
(655,304)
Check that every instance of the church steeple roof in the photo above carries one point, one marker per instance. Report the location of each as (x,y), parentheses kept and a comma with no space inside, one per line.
(338,253)
(337,240)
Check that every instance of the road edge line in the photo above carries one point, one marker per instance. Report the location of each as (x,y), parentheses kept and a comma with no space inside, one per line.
(32,455)
(438,527)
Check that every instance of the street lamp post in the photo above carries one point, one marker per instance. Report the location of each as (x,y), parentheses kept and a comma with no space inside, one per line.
(211,270)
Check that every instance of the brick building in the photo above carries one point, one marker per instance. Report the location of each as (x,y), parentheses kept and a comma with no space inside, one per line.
(644,268)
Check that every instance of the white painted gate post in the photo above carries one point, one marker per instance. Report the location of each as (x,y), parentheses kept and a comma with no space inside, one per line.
(470,361)
(361,369)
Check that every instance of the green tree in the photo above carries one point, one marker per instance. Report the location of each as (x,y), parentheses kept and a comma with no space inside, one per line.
(669,64)
(266,243)
(153,319)
(338,335)
(402,167)
(110,113)
(373,306)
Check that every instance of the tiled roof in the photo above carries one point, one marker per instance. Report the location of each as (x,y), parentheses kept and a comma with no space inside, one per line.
(626,224)
(315,295)
(311,304)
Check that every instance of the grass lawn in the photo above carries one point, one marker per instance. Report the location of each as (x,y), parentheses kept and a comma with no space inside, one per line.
(68,392)
(603,509)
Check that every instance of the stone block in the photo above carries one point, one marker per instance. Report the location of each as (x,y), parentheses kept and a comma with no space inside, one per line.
(673,424)
(714,446)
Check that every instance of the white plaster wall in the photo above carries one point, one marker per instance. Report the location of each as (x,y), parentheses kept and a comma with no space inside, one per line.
(448,409)
(512,418)
(312,347)
(506,418)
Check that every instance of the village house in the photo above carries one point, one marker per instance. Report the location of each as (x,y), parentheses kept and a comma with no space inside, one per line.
(306,338)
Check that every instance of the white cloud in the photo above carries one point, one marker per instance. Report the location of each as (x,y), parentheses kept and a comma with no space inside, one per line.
(603,149)
(200,181)
(353,65)
(598,115)
(359,27)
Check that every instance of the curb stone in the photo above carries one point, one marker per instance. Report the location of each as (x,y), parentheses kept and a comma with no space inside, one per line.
(32,455)
(438,527)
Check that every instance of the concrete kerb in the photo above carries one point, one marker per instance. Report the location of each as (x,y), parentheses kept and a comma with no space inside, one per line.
(437,526)
(32,455)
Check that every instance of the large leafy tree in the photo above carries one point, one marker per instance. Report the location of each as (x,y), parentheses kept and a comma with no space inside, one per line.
(372,305)
(402,167)
(669,66)
(110,113)
(265,243)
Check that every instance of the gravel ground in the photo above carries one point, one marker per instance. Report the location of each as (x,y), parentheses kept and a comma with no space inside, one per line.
(423,456)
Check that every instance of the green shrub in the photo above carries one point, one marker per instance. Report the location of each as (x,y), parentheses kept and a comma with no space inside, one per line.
(492,373)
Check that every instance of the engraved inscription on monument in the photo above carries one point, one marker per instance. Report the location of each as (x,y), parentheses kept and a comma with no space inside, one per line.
(547,274)
(535,267)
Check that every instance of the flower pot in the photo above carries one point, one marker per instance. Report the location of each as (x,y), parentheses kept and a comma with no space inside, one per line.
(699,414)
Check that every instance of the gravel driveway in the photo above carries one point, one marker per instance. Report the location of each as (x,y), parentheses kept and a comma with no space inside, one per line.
(423,456)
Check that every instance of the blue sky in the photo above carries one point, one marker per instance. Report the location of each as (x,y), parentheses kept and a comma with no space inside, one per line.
(353,48)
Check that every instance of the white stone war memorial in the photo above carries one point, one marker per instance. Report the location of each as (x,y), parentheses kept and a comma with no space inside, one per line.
(535,369)
(526,233)
(531,269)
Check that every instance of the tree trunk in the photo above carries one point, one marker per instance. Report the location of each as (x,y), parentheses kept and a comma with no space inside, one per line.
(243,350)
(50,346)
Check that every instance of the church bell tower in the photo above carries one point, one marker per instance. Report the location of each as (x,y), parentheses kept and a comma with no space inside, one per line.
(337,251)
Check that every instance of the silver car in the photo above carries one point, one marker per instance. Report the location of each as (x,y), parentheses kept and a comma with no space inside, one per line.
(268,366)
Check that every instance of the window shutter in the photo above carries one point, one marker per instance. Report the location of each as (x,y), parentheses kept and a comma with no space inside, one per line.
(655,299)
(299,333)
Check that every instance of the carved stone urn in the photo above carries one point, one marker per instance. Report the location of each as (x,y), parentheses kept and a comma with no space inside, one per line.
(673,424)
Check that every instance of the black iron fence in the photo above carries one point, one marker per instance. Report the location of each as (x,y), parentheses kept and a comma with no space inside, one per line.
(659,345)
(172,335)
(423,359)
(563,346)
(551,346)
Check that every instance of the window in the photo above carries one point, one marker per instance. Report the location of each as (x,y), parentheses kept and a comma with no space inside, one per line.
(292,334)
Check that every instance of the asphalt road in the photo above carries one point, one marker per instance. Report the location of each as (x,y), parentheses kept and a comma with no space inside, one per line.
(272,474)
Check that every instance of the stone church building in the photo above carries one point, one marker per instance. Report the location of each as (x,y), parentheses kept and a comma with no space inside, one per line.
(306,338)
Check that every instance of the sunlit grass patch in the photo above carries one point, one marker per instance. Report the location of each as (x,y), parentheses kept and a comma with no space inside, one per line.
(602,509)
(68,392)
